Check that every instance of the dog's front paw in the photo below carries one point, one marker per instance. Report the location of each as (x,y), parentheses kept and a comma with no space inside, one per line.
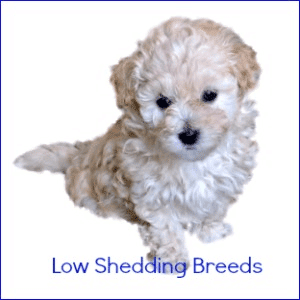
(168,261)
(210,232)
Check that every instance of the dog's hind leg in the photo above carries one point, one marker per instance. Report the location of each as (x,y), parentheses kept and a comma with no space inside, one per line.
(79,188)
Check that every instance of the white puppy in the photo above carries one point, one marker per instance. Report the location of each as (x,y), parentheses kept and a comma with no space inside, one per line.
(182,150)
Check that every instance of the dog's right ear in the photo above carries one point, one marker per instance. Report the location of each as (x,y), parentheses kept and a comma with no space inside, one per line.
(124,84)
(247,69)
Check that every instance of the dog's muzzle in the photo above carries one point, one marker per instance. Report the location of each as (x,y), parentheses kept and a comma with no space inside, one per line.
(189,136)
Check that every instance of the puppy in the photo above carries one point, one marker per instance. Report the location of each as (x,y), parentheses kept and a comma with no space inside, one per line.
(182,150)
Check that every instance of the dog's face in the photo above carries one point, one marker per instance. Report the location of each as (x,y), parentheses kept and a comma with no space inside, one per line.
(186,82)
(188,97)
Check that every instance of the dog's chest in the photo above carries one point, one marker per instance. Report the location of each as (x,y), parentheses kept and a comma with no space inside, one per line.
(187,183)
(187,188)
(198,183)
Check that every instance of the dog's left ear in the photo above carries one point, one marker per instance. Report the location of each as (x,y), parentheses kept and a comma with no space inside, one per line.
(123,81)
(247,70)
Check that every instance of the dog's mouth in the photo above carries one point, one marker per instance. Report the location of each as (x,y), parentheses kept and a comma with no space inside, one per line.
(195,151)
(189,143)
(190,148)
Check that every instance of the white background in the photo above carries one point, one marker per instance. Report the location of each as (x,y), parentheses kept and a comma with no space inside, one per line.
(56,60)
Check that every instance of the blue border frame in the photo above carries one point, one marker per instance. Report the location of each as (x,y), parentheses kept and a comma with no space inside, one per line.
(1,96)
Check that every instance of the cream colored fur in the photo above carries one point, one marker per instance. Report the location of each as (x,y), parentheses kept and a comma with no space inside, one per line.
(141,170)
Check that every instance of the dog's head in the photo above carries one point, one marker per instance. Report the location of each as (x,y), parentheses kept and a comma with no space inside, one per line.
(185,84)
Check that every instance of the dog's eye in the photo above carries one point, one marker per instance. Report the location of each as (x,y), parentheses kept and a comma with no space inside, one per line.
(209,96)
(163,102)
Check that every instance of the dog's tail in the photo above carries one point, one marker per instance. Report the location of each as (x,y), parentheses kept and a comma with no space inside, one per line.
(54,158)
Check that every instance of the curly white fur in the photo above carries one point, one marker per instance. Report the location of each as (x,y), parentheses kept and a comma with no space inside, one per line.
(141,170)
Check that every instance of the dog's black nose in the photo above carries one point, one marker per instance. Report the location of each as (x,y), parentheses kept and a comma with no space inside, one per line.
(189,136)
